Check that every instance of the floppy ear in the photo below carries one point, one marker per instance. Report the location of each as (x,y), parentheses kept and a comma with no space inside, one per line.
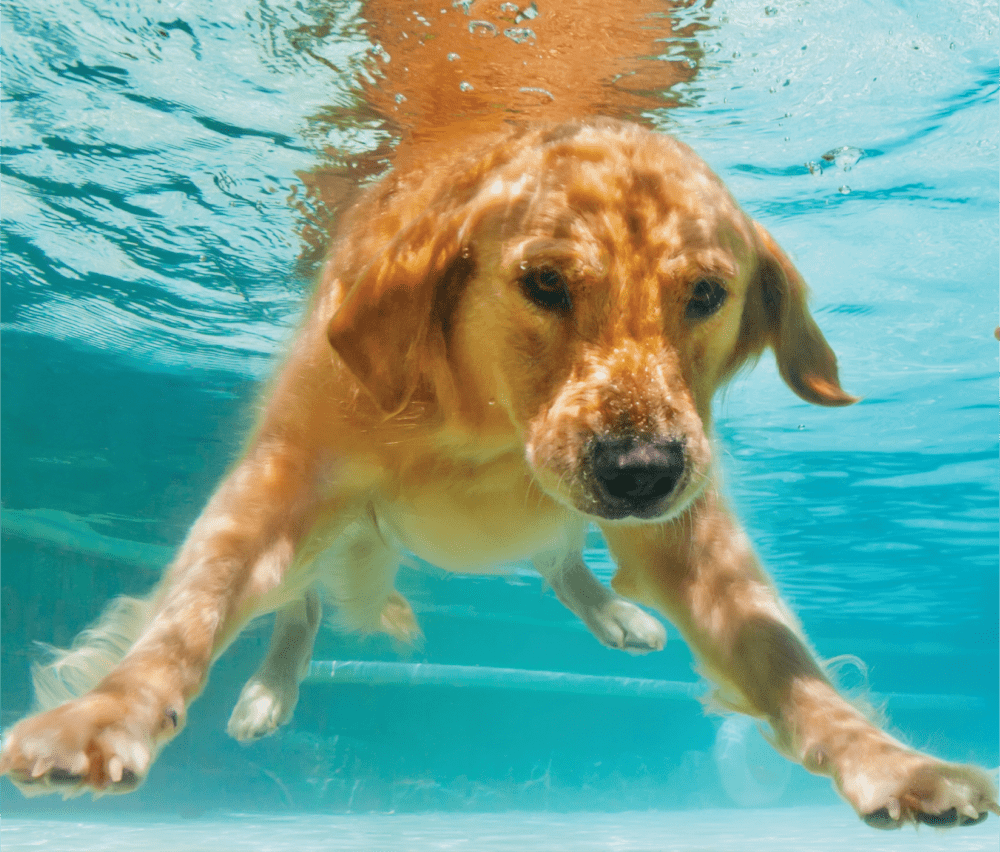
(392,326)
(777,310)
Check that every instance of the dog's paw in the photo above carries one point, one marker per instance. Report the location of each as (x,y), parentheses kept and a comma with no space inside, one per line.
(100,742)
(262,708)
(622,625)
(914,788)
(397,619)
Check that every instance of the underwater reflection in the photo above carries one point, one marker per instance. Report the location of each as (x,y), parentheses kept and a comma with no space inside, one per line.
(439,74)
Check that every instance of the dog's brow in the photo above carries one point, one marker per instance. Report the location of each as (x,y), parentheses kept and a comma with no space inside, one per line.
(546,247)
(714,262)
(560,252)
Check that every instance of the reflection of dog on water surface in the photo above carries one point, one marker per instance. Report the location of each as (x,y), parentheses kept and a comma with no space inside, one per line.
(517,333)
(441,75)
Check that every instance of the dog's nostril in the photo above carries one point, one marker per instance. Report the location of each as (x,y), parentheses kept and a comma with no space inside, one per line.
(636,470)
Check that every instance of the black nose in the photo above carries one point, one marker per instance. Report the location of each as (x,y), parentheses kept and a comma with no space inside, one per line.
(634,475)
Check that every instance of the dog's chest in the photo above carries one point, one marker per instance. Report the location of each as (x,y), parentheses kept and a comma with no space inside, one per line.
(464,517)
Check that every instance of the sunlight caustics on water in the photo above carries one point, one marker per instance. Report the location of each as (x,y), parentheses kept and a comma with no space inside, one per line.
(169,173)
(803,829)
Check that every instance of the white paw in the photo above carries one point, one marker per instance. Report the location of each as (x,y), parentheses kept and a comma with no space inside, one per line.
(397,619)
(262,709)
(622,625)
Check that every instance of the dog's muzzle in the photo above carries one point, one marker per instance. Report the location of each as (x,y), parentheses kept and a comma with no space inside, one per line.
(633,476)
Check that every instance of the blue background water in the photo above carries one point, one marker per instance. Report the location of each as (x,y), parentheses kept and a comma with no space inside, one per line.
(156,207)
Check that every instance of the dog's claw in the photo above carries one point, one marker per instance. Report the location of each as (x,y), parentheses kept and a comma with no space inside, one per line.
(41,767)
(115,769)
(971,815)
(889,817)
(952,817)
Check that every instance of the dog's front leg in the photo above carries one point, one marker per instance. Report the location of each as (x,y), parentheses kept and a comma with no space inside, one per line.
(269,697)
(614,621)
(235,558)
(701,572)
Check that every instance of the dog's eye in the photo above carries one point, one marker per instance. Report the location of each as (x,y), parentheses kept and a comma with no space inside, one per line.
(546,287)
(707,297)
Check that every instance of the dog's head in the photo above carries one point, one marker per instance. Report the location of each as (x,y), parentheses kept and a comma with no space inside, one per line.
(593,283)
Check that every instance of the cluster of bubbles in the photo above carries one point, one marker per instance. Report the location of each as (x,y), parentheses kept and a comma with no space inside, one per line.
(844,158)
(517,34)
(520,35)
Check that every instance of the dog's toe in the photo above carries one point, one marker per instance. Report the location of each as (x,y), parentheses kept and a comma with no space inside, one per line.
(949,818)
(922,790)
(98,742)
(882,819)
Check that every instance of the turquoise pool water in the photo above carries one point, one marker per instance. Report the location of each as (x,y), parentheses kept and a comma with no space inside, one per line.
(155,165)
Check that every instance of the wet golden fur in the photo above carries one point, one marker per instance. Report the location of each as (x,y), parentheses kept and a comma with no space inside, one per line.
(497,335)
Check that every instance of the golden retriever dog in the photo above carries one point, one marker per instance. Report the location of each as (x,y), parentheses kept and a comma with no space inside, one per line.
(506,345)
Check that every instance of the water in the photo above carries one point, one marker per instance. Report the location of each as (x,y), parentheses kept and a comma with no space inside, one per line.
(816,829)
(163,212)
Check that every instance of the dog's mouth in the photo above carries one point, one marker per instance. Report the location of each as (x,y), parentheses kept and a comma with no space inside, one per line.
(633,476)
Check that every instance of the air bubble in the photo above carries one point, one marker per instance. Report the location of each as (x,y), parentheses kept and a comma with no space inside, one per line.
(770,11)
(529,13)
(484,28)
(520,35)
(844,190)
(535,90)
(753,774)
(844,157)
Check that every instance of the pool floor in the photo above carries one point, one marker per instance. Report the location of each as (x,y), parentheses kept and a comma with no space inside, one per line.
(809,829)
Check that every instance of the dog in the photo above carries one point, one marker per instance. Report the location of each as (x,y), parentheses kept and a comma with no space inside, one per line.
(505,346)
